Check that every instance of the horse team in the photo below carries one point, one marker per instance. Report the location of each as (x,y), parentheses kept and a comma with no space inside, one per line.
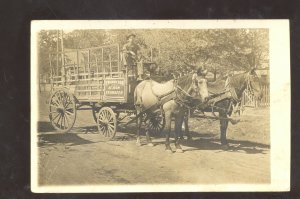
(193,89)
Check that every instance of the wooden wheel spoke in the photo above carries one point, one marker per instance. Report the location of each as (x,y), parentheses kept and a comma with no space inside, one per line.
(67,117)
(61,97)
(57,122)
(69,113)
(101,115)
(111,117)
(55,102)
(100,127)
(67,103)
(61,122)
(52,112)
(101,121)
(155,123)
(159,124)
(107,132)
(58,118)
(62,112)
(105,114)
(111,125)
(58,98)
(106,121)
(104,131)
(54,107)
(55,116)
(150,125)
(110,131)
(65,122)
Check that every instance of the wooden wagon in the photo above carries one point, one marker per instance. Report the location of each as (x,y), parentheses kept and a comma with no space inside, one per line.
(92,79)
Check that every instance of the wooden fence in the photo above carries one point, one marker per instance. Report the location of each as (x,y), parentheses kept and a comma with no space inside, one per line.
(249,100)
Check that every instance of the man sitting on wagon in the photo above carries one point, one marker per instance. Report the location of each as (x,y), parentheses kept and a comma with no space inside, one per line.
(129,53)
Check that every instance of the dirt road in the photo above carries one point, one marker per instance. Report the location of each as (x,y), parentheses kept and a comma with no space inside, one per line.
(84,157)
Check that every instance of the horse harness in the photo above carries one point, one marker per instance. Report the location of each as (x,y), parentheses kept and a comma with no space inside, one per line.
(230,94)
(177,94)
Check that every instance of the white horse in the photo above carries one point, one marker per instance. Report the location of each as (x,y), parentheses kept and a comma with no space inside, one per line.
(176,96)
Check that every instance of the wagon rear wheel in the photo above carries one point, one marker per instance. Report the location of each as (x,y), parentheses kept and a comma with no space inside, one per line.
(107,122)
(155,123)
(62,113)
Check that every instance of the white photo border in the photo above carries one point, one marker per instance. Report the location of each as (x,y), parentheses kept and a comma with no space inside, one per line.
(280,102)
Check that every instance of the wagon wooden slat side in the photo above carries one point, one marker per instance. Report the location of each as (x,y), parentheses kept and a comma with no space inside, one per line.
(91,78)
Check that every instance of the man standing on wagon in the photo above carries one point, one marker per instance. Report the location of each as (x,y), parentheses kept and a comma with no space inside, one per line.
(129,53)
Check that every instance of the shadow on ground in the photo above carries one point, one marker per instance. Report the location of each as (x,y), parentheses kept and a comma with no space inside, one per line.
(201,141)
(49,136)
(58,138)
(210,142)
(45,127)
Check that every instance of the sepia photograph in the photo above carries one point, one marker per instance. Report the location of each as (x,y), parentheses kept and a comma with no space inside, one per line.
(160,106)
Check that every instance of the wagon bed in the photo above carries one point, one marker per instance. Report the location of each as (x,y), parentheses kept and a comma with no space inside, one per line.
(91,78)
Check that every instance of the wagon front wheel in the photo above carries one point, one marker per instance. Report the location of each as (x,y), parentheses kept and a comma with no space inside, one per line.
(107,122)
(62,111)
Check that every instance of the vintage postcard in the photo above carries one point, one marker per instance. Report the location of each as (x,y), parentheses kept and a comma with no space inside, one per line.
(160,106)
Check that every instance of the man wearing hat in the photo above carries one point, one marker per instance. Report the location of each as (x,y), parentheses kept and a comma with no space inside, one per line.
(129,52)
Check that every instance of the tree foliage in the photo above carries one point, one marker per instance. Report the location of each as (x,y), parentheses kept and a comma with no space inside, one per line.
(215,49)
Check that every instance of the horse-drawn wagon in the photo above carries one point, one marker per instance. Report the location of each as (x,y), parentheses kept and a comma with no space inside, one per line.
(93,79)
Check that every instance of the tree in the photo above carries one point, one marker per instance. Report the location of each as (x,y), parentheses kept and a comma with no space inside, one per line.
(47,42)
(221,50)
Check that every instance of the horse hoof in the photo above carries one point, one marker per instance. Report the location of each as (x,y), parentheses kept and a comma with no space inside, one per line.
(150,144)
(179,151)
(169,151)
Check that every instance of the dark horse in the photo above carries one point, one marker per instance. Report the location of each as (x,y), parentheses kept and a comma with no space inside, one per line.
(172,98)
(237,85)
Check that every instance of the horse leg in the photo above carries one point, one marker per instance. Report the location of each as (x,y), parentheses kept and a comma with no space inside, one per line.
(149,141)
(186,128)
(168,131)
(223,129)
(178,132)
(139,124)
